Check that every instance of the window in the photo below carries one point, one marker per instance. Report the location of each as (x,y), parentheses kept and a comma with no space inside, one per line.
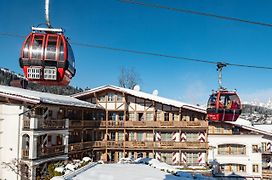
(139,136)
(233,168)
(121,116)
(101,116)
(166,116)
(120,136)
(37,47)
(140,116)
(192,158)
(131,136)
(149,137)
(51,48)
(131,116)
(255,148)
(111,97)
(119,98)
(175,116)
(166,136)
(158,116)
(227,130)
(265,146)
(101,98)
(236,149)
(112,136)
(112,116)
(167,158)
(191,137)
(211,129)
(217,129)
(149,116)
(255,168)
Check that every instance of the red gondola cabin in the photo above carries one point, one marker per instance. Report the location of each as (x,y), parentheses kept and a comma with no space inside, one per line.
(47,59)
(224,106)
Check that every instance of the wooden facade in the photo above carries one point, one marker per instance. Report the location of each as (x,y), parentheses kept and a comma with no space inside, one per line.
(128,125)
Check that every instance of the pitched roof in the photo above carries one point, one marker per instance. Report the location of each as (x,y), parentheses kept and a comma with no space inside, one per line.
(36,97)
(245,124)
(144,95)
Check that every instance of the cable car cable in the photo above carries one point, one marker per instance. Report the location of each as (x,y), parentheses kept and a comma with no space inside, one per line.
(150,53)
(158,6)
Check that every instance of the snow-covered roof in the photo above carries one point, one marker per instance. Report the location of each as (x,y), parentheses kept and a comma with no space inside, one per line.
(144,95)
(243,123)
(36,97)
(264,127)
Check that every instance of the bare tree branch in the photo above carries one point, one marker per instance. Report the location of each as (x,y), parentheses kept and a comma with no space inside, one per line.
(128,78)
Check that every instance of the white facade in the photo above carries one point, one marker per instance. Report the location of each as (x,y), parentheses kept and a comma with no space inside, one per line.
(12,142)
(242,161)
(9,138)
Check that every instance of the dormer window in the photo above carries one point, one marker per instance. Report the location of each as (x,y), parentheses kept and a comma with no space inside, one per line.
(111,97)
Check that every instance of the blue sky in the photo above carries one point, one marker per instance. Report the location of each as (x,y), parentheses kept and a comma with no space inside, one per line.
(112,23)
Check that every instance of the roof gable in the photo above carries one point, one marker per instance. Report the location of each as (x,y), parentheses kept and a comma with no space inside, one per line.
(144,95)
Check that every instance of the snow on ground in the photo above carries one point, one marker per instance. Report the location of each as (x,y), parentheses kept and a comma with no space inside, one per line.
(125,172)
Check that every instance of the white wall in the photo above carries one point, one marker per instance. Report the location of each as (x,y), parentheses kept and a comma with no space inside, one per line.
(248,159)
(9,138)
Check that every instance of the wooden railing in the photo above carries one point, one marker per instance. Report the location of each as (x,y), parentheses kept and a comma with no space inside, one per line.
(36,123)
(51,124)
(26,124)
(181,145)
(25,153)
(115,144)
(49,151)
(136,124)
(75,124)
(267,174)
(138,144)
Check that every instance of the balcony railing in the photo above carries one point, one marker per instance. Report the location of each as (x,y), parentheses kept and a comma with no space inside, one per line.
(181,145)
(49,151)
(137,124)
(75,147)
(25,153)
(51,124)
(36,123)
(138,145)
(26,123)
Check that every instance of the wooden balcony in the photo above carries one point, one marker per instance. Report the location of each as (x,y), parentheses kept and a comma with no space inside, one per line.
(41,124)
(136,124)
(168,124)
(75,124)
(51,124)
(75,147)
(163,145)
(180,145)
(115,144)
(139,144)
(267,173)
(25,153)
(26,124)
(50,151)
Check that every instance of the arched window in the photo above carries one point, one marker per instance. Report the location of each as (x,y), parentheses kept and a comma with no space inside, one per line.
(25,146)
